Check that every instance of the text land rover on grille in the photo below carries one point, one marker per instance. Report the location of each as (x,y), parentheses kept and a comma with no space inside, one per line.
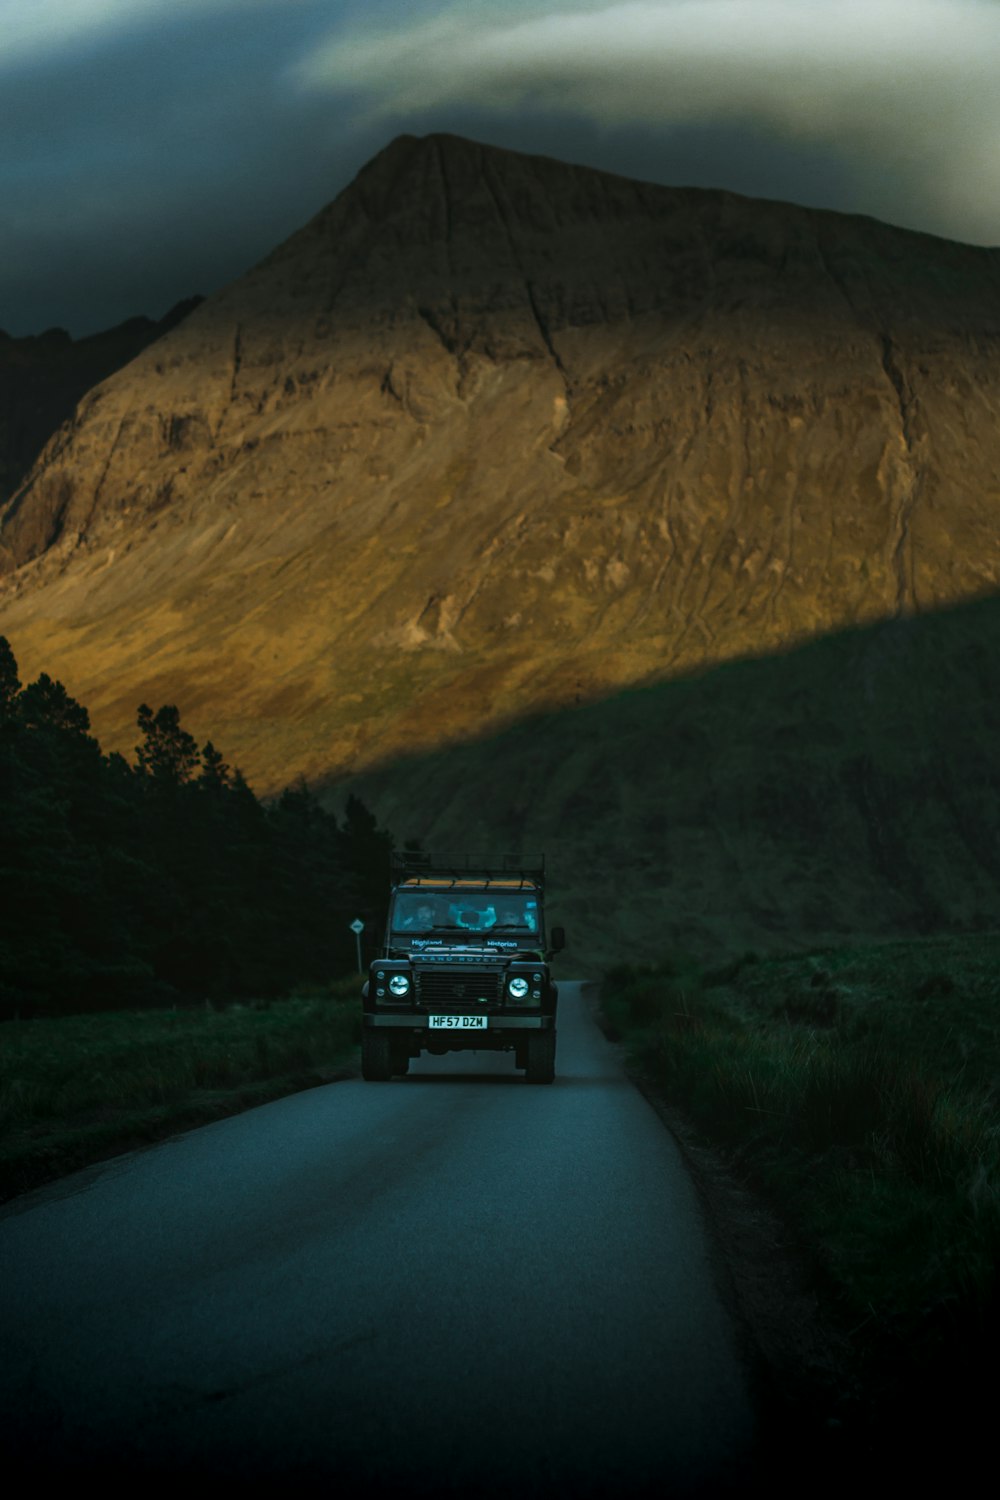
(464,966)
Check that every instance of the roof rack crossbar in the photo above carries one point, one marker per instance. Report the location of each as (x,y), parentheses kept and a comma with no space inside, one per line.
(422,864)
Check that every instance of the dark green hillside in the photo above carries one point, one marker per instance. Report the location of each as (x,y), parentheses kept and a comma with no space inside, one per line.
(850,788)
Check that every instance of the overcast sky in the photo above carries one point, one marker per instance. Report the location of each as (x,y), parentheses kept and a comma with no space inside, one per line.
(151,149)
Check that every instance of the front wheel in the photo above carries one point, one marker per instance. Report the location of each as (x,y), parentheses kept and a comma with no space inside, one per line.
(376,1057)
(541,1065)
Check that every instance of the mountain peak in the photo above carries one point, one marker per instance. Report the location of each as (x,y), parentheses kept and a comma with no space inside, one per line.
(406,152)
(493,433)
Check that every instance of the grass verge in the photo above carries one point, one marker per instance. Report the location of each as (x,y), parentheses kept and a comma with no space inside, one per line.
(76,1090)
(856,1088)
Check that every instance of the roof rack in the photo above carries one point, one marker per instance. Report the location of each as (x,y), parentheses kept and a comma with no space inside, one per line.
(422,864)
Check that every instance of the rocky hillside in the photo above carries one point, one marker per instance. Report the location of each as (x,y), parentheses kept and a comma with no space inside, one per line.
(493,434)
(42,378)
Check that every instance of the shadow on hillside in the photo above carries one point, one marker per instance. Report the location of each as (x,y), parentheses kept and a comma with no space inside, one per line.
(847,787)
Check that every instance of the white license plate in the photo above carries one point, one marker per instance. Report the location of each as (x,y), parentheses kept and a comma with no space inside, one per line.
(457,1023)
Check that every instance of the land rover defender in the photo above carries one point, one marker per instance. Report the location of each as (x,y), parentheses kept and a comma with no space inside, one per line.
(464,966)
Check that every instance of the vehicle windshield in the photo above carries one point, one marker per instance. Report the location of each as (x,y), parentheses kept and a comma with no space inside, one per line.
(463,911)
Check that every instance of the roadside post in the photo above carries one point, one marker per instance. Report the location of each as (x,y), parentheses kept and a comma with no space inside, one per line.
(358,927)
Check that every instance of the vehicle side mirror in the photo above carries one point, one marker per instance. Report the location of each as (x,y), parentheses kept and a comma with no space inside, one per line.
(557,939)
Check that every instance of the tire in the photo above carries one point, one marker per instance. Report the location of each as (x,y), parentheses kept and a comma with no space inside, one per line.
(376,1057)
(401,1063)
(541,1057)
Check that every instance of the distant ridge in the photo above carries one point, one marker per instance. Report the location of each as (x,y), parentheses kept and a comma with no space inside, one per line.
(43,376)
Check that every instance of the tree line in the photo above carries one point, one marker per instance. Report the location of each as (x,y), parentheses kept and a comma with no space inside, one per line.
(165,881)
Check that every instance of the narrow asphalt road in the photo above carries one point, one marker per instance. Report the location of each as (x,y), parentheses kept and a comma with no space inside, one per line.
(455,1282)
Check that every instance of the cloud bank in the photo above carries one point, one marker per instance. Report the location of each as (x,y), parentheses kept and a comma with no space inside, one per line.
(36,29)
(156,148)
(907,90)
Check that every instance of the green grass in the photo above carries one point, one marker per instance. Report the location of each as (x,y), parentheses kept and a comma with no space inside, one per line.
(858,1088)
(76,1089)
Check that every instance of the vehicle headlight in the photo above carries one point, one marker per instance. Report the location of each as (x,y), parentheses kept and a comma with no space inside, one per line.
(399,984)
(518,988)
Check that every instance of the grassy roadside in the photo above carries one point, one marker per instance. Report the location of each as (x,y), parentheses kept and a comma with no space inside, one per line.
(857,1089)
(75,1090)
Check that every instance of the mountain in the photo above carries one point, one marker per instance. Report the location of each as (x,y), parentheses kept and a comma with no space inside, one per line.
(43,376)
(493,436)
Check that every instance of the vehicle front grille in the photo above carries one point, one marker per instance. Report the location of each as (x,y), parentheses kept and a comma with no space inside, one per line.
(454,988)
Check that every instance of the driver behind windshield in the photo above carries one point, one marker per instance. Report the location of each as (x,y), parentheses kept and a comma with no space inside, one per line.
(415,916)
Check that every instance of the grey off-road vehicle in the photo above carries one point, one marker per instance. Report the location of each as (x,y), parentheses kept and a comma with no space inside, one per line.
(464,966)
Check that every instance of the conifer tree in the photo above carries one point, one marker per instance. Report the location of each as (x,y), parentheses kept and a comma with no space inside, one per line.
(215,774)
(45,704)
(10,684)
(168,754)
(368,849)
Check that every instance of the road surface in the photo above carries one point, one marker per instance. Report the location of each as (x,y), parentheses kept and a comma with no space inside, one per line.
(456,1281)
